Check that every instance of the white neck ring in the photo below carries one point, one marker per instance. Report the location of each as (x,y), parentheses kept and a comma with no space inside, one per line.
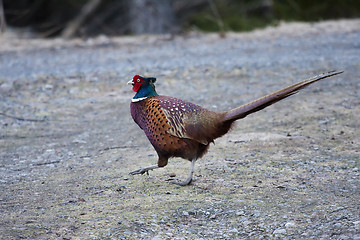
(138,99)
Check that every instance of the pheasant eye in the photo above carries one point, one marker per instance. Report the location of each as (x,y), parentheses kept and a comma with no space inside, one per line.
(138,80)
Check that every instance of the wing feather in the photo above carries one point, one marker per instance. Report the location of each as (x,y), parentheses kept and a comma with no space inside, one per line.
(180,115)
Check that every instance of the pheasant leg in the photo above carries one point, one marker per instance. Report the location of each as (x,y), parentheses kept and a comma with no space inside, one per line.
(189,178)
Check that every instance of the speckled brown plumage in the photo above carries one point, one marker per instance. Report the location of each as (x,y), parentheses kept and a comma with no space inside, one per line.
(177,128)
(171,126)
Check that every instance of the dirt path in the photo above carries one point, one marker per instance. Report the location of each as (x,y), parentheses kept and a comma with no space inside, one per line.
(67,140)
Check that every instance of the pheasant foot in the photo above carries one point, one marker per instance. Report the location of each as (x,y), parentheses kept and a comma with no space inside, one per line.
(144,170)
(189,178)
(182,183)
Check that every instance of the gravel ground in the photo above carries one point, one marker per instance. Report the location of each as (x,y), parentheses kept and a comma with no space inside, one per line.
(67,140)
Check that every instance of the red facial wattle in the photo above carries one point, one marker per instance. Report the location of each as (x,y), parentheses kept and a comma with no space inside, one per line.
(137,82)
(136,86)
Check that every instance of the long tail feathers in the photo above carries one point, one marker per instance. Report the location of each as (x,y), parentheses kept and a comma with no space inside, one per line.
(261,103)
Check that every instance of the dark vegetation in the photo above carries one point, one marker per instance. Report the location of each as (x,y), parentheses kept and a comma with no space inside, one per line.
(84,18)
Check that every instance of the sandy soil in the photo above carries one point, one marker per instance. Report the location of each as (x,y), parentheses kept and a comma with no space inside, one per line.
(67,140)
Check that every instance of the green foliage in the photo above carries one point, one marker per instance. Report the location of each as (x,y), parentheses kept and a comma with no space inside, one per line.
(308,10)
(245,15)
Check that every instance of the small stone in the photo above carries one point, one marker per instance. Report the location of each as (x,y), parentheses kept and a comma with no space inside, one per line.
(338,225)
(234,230)
(212,216)
(289,224)
(243,219)
(185,213)
(162,221)
(279,231)
(157,237)
(252,233)
(5,87)
(247,222)
(192,212)
(357,225)
(192,230)
(78,141)
(256,213)
(49,87)
(120,188)
(240,213)
(229,159)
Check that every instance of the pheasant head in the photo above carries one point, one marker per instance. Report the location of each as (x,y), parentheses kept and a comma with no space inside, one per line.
(144,87)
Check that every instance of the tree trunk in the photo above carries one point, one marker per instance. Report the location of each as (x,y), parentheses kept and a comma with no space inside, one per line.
(2,17)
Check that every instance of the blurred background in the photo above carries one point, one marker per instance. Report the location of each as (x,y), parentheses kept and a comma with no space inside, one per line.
(86,18)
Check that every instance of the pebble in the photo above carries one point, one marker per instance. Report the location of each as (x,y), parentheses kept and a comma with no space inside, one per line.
(240,213)
(256,213)
(234,230)
(289,224)
(157,237)
(5,87)
(357,225)
(192,212)
(192,230)
(247,222)
(279,231)
(127,232)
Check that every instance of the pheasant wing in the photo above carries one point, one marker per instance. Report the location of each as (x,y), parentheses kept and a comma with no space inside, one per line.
(183,118)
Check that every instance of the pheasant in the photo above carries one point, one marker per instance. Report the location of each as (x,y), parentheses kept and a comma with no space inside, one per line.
(178,128)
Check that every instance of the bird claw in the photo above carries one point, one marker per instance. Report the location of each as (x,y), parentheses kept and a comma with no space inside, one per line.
(140,171)
(144,170)
(182,183)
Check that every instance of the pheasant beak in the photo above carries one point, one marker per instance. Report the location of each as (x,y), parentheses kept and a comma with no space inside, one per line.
(130,82)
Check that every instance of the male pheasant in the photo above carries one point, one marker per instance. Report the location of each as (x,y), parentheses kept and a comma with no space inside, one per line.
(178,128)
